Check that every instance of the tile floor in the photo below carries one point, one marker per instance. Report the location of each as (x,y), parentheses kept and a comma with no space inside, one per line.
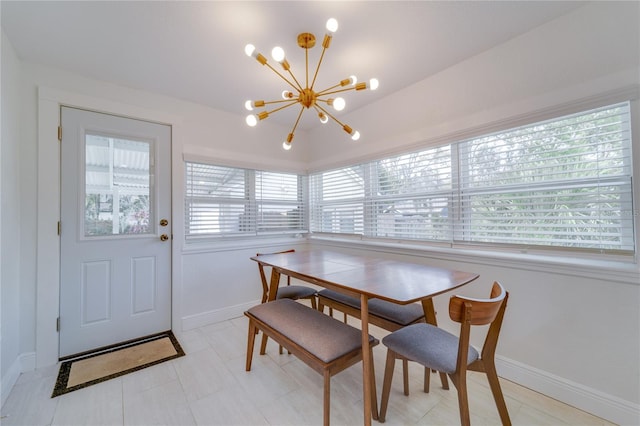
(210,387)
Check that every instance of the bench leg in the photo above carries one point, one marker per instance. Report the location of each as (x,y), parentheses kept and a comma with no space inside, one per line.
(263,344)
(253,330)
(326,414)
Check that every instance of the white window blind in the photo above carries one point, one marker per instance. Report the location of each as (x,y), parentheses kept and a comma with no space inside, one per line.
(338,203)
(565,182)
(226,202)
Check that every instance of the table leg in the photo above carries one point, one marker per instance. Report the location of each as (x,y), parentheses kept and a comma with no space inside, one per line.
(273,284)
(367,366)
(430,317)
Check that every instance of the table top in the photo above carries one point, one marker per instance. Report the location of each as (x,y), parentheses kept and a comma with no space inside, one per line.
(395,281)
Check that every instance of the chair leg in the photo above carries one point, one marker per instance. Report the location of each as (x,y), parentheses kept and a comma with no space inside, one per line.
(313,302)
(386,384)
(253,330)
(463,400)
(405,376)
(494,383)
(445,382)
(374,397)
(427,379)
(326,415)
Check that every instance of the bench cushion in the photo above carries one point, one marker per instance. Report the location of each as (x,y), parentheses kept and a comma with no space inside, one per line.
(295,292)
(399,314)
(324,337)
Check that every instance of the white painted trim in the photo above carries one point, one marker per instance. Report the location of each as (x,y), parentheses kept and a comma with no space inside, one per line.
(591,400)
(48,246)
(9,379)
(198,320)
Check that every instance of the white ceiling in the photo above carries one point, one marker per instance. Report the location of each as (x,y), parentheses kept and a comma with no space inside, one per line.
(195,50)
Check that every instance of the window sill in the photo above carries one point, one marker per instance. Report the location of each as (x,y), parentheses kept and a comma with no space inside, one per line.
(622,271)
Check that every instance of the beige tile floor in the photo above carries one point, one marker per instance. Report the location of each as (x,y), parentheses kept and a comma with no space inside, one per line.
(210,387)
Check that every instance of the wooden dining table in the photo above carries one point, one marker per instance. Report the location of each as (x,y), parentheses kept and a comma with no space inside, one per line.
(367,277)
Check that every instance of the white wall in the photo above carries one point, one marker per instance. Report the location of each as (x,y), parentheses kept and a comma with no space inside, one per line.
(570,331)
(10,229)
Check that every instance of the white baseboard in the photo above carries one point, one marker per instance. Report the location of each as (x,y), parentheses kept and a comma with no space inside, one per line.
(591,400)
(210,317)
(23,363)
(9,379)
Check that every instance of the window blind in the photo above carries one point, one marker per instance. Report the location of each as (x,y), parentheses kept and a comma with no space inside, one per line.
(565,182)
(226,202)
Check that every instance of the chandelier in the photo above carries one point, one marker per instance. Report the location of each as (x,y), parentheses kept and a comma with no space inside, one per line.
(307,97)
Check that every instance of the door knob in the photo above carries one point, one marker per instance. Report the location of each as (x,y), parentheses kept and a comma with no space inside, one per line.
(164,222)
(164,237)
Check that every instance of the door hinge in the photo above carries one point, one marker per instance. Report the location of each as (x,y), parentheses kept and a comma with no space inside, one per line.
(60,133)
(59,227)
(58,324)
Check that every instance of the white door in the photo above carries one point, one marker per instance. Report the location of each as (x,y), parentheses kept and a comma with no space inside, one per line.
(115,272)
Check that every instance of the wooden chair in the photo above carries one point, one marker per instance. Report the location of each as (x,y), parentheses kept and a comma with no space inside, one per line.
(386,315)
(293,292)
(440,350)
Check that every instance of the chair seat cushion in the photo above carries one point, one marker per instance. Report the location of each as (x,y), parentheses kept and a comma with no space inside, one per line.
(326,338)
(295,292)
(399,314)
(428,345)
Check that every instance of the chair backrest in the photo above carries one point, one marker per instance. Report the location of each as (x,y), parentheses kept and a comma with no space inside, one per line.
(468,312)
(263,276)
(483,311)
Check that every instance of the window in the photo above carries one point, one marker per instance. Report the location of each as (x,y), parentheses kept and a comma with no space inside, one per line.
(226,202)
(564,182)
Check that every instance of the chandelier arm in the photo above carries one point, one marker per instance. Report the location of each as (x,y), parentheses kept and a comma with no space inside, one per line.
(282,76)
(327,92)
(332,117)
(318,67)
(297,120)
(299,86)
(282,107)
(279,101)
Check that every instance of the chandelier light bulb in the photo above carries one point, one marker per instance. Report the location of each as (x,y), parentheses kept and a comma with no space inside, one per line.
(286,145)
(339,104)
(277,53)
(287,95)
(373,84)
(353,79)
(249,49)
(355,136)
(248,106)
(332,25)
(323,117)
(251,120)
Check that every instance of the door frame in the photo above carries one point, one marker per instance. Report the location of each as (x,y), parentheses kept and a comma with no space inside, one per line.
(48,211)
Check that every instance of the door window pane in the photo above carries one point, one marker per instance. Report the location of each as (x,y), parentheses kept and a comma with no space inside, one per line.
(117,186)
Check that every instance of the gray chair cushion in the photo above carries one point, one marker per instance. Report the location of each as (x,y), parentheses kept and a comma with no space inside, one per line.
(295,292)
(428,345)
(400,314)
(326,338)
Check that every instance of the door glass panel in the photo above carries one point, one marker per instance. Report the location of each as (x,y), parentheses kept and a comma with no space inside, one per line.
(117,186)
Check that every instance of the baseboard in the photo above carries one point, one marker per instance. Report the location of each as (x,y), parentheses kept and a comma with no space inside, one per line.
(23,363)
(218,315)
(591,400)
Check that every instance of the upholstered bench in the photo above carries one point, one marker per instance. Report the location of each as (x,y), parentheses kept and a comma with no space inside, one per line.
(325,344)
(386,315)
